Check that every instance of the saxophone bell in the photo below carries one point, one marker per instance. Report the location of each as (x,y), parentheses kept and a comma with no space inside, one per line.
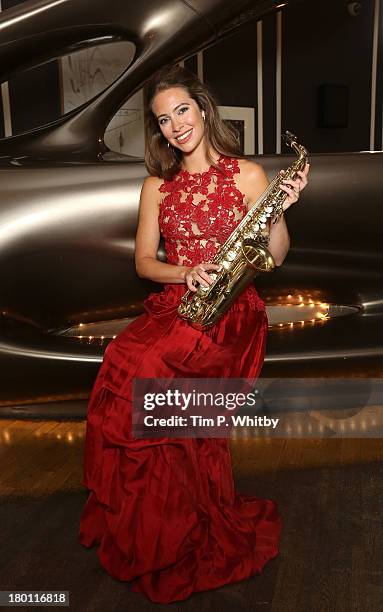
(257,256)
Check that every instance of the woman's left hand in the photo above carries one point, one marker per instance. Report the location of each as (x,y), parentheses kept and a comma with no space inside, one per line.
(293,188)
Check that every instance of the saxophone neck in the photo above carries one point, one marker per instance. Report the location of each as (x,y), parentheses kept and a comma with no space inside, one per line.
(302,155)
(292,141)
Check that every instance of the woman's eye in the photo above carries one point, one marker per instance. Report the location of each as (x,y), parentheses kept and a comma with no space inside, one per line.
(183,109)
(162,121)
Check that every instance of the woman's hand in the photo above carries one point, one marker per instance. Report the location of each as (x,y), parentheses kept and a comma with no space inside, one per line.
(293,188)
(199,274)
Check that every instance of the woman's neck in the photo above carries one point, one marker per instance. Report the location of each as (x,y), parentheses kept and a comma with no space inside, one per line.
(197,162)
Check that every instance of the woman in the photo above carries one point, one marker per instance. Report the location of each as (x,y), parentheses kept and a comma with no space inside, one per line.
(164,511)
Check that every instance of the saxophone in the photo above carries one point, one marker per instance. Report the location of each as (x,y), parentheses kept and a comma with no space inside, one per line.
(244,254)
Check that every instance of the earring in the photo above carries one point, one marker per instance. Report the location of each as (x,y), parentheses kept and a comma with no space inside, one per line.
(203,115)
(168,146)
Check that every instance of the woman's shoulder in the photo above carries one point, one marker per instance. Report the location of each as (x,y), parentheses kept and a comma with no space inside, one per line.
(250,170)
(252,179)
(151,187)
(152,182)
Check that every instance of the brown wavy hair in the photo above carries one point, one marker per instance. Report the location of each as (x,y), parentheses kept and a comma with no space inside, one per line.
(164,161)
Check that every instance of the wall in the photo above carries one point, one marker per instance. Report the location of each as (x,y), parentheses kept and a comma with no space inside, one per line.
(319,43)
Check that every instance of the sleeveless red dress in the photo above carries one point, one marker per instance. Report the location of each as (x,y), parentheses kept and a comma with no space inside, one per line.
(164,512)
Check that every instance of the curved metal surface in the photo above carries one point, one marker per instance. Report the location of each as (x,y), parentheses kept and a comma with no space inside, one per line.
(67,246)
(69,208)
(163,31)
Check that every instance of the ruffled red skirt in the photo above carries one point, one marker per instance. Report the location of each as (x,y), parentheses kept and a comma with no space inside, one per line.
(164,512)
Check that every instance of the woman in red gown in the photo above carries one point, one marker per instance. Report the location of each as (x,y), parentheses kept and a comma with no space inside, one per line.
(164,512)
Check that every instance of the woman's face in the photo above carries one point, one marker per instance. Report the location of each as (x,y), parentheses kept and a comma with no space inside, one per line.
(179,118)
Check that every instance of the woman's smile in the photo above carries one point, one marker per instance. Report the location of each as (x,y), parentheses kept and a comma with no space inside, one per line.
(185,136)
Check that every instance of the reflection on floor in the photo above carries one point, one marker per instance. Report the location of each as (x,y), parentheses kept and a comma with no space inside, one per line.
(328,493)
(366,422)
(288,311)
(43,457)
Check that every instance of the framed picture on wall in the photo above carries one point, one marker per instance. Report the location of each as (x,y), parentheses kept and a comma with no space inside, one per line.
(243,120)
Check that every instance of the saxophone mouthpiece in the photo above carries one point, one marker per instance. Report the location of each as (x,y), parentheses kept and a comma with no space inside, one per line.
(289,138)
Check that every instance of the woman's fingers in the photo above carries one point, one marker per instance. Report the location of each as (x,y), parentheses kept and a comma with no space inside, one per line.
(293,187)
(204,279)
(198,274)
(211,266)
(303,176)
(192,279)
(292,195)
(191,286)
(292,191)
(295,184)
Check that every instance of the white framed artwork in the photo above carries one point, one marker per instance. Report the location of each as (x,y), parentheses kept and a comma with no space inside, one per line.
(243,118)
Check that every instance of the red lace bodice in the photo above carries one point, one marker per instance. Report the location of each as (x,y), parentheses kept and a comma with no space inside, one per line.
(199,212)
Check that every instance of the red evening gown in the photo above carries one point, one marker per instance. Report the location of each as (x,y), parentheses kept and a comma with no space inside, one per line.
(163,511)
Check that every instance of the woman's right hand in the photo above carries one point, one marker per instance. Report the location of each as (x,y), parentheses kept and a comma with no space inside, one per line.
(199,274)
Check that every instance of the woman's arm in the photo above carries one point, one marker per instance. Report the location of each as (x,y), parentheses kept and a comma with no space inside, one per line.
(148,239)
(279,240)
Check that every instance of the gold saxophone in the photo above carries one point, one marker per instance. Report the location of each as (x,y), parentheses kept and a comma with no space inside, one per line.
(244,254)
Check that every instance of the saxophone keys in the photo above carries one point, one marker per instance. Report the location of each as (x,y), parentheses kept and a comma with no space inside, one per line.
(231,255)
(269,209)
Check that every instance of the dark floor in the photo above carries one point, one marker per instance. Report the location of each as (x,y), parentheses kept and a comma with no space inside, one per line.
(329,494)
